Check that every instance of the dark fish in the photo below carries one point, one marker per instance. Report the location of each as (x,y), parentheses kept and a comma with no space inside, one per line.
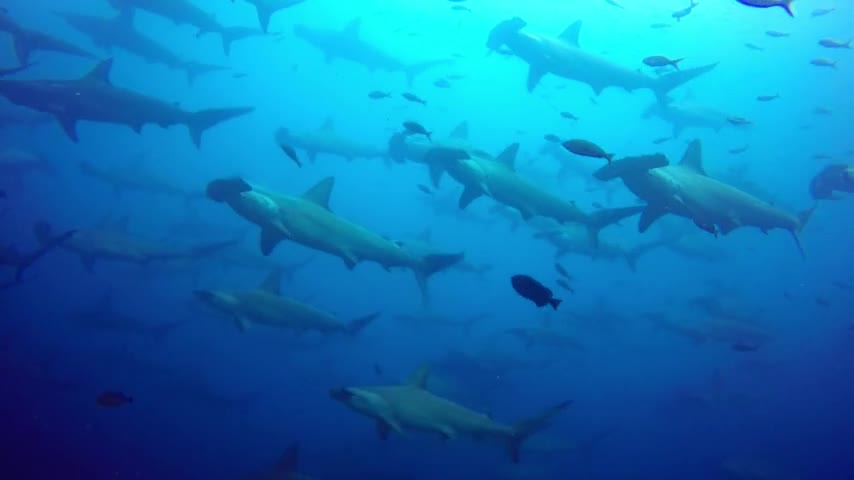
(413,98)
(822,111)
(534,291)
(460,8)
(823,62)
(415,128)
(739,121)
(768,98)
(551,137)
(568,116)
(659,26)
(776,34)
(754,47)
(376,95)
(613,3)
(744,347)
(830,43)
(587,149)
(660,140)
(784,4)
(662,61)
(240,75)
(736,151)
(680,14)
(562,284)
(111,398)
(425,189)
(821,156)
(818,12)
(706,227)
(562,271)
(442,83)
(291,153)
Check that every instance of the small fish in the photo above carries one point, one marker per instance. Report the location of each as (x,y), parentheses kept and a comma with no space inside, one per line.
(739,121)
(534,291)
(776,34)
(754,47)
(706,227)
(562,271)
(822,111)
(784,4)
(587,149)
(425,189)
(551,137)
(613,3)
(680,14)
(662,61)
(768,98)
(377,94)
(831,43)
(455,76)
(378,370)
(823,62)
(111,398)
(413,98)
(820,12)
(739,150)
(240,75)
(744,347)
(841,285)
(460,8)
(821,156)
(442,83)
(568,116)
(291,153)
(415,128)
(660,140)
(788,296)
(821,302)
(562,284)
(659,26)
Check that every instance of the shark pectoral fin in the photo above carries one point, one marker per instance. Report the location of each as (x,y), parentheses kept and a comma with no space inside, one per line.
(535,74)
(436,172)
(447,433)
(526,214)
(349,259)
(22,48)
(649,215)
(270,237)
(242,322)
(69,126)
(469,195)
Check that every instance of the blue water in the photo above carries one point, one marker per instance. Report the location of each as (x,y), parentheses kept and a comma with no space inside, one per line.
(212,402)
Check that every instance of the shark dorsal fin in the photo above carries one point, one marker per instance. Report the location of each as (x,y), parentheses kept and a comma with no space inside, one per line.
(419,378)
(354,27)
(101,72)
(273,282)
(693,157)
(321,192)
(508,156)
(426,235)
(461,131)
(328,125)
(570,35)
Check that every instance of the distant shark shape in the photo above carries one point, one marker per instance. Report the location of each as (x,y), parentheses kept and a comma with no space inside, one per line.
(686,190)
(266,9)
(563,56)
(93,97)
(684,115)
(11,257)
(25,41)
(120,32)
(265,305)
(348,44)
(410,406)
(136,176)
(308,220)
(105,318)
(185,12)
(571,238)
(326,141)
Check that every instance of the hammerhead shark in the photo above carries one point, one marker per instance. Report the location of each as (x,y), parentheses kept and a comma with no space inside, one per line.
(348,44)
(326,140)
(308,220)
(26,41)
(265,305)
(686,190)
(120,32)
(95,98)
(564,57)
(397,408)
(138,177)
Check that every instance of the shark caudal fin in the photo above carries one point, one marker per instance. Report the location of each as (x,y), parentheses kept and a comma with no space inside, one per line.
(634,254)
(525,428)
(416,69)
(232,34)
(431,264)
(357,325)
(198,122)
(664,84)
(608,216)
(803,219)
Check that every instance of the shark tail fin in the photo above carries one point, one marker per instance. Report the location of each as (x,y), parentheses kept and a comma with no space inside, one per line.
(431,264)
(416,69)
(524,429)
(803,219)
(230,35)
(20,68)
(635,253)
(357,325)
(48,242)
(607,216)
(664,84)
(200,121)
(23,48)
